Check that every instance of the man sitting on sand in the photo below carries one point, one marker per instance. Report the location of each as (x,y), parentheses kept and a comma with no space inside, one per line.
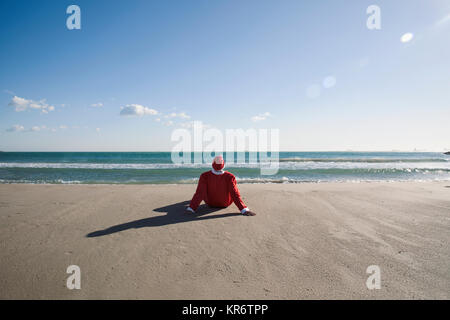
(218,189)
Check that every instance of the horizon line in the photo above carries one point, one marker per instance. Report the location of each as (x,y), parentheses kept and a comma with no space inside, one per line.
(246,151)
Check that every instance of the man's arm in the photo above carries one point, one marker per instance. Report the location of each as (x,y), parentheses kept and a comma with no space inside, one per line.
(236,196)
(199,195)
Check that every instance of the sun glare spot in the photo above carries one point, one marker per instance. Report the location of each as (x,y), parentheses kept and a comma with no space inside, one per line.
(407,37)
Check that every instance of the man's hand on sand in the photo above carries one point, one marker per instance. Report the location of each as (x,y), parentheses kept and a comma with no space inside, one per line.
(249,213)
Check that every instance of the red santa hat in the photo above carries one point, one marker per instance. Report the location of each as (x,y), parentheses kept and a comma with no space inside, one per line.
(218,163)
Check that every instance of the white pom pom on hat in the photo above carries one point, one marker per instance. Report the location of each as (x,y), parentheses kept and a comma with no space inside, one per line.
(218,163)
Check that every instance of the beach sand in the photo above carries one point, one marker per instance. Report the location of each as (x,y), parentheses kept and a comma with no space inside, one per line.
(308,241)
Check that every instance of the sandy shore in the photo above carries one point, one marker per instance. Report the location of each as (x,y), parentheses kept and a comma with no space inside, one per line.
(308,241)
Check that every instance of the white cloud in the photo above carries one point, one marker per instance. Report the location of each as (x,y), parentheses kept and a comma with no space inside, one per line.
(406,37)
(137,110)
(181,115)
(16,127)
(261,117)
(97,129)
(22,104)
(190,125)
(97,105)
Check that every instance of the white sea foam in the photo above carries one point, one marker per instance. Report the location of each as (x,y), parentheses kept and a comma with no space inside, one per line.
(294,165)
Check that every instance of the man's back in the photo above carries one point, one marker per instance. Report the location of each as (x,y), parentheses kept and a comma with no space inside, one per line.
(218,188)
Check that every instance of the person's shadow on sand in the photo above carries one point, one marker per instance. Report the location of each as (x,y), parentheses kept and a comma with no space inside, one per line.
(174,215)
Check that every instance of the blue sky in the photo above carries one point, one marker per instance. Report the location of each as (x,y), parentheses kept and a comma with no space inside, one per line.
(309,68)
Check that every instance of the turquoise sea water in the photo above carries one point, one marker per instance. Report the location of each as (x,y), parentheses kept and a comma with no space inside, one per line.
(157,167)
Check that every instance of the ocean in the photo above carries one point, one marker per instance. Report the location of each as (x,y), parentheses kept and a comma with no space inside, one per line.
(157,168)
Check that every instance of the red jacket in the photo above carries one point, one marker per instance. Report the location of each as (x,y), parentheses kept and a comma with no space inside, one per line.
(217,190)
